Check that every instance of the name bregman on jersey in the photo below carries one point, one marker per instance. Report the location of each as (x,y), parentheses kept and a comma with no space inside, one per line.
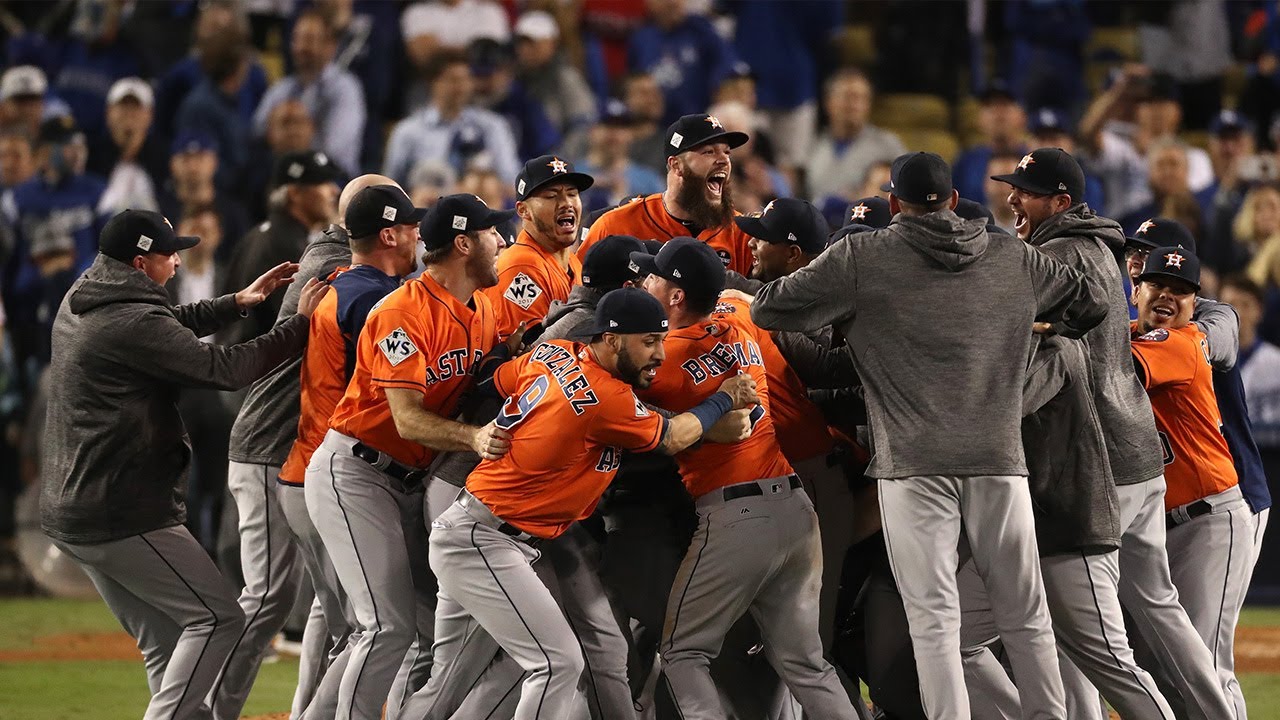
(721,359)
(568,374)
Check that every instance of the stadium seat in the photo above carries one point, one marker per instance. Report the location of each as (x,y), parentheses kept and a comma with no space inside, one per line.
(967,121)
(1111,41)
(942,142)
(912,110)
(1196,138)
(856,45)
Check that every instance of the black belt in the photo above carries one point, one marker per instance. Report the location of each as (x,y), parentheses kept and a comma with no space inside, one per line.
(410,478)
(516,533)
(1194,510)
(751,489)
(466,499)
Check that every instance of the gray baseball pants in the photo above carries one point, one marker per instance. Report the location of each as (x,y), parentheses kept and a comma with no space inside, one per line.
(487,578)
(1147,592)
(1209,558)
(269,562)
(923,519)
(373,531)
(759,553)
(166,593)
(331,618)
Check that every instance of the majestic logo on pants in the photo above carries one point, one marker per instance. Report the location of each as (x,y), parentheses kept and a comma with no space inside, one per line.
(397,346)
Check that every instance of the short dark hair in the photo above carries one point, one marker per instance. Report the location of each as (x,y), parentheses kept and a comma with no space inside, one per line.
(1244,284)
(443,60)
(848,72)
(364,244)
(925,208)
(325,21)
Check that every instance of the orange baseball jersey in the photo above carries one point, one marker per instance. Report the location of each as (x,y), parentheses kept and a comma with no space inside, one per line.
(647,219)
(799,424)
(330,357)
(529,278)
(419,338)
(570,420)
(1175,370)
(699,358)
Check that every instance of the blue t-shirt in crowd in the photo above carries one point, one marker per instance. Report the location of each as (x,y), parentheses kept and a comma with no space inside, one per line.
(783,41)
(688,62)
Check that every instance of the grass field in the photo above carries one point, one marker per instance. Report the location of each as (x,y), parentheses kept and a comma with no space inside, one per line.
(33,688)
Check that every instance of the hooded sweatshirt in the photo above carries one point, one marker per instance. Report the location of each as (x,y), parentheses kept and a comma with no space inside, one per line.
(1088,243)
(267,424)
(115,462)
(568,319)
(938,313)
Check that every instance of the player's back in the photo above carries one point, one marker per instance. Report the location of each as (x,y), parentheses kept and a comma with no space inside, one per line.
(699,358)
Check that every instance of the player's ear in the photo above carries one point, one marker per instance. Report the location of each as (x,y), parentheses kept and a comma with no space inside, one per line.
(522,210)
(462,243)
(673,163)
(677,296)
(387,237)
(895,207)
(955,198)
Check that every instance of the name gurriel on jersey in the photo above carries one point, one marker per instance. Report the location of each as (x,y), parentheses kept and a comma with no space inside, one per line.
(568,374)
(721,359)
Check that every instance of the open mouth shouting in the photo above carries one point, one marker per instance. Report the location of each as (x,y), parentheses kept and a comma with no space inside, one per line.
(1164,311)
(567,221)
(715,183)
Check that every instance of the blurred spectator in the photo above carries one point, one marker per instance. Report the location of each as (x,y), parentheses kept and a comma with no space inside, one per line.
(1004,128)
(996,193)
(1261,45)
(683,52)
(1117,151)
(497,89)
(1189,40)
(332,96)
(428,27)
(289,129)
(25,100)
(612,22)
(1171,196)
(875,181)
(55,223)
(201,276)
(644,101)
(549,77)
(609,161)
(1230,148)
(221,42)
(132,161)
(1259,364)
(431,180)
(756,180)
(1257,229)
(481,181)
(193,164)
(90,59)
(304,201)
(842,154)
(17,162)
(786,43)
(213,109)
(451,127)
(1050,128)
(159,33)
(1044,64)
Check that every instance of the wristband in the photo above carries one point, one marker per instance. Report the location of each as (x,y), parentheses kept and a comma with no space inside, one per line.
(712,409)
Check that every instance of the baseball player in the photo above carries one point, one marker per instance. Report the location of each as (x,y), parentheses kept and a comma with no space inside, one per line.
(698,201)
(1206,515)
(541,266)
(416,355)
(605,267)
(115,468)
(571,410)
(870,211)
(383,225)
(948,466)
(756,547)
(271,520)
(1045,191)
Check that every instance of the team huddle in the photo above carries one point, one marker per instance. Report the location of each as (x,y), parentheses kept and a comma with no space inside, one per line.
(596,473)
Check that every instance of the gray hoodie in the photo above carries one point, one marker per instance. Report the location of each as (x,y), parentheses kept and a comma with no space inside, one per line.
(938,313)
(267,425)
(1088,243)
(567,320)
(115,461)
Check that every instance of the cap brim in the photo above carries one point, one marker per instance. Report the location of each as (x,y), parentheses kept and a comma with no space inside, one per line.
(1020,182)
(732,138)
(647,263)
(415,217)
(1139,243)
(582,181)
(753,227)
(184,242)
(495,218)
(1146,275)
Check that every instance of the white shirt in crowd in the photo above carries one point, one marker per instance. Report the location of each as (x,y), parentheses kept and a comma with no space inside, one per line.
(455,26)
(335,101)
(1123,170)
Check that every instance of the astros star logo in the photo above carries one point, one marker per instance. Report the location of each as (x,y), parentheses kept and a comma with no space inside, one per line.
(1026,161)
(1174,259)
(1144,227)
(715,122)
(859,212)
(558,166)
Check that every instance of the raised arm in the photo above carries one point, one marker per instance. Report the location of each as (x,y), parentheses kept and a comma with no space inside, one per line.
(1221,328)
(818,294)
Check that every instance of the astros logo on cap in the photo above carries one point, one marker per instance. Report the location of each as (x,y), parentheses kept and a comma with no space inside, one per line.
(1144,227)
(558,166)
(715,122)
(859,212)
(1174,259)
(1026,160)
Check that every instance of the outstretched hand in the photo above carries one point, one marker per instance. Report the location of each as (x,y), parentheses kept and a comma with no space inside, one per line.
(270,281)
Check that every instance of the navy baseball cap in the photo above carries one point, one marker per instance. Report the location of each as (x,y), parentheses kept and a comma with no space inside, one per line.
(1048,121)
(1161,232)
(138,232)
(58,130)
(691,264)
(847,230)
(628,311)
(616,112)
(380,206)
(997,90)
(453,215)
(693,131)
(788,221)
(546,169)
(190,141)
(970,210)
(305,167)
(873,211)
(1047,171)
(1172,262)
(608,262)
(921,178)
(1229,122)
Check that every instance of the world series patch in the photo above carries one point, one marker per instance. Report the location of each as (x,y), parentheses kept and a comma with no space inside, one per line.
(397,346)
(522,291)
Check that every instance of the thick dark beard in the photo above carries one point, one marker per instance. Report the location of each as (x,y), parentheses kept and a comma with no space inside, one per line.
(692,198)
(629,371)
